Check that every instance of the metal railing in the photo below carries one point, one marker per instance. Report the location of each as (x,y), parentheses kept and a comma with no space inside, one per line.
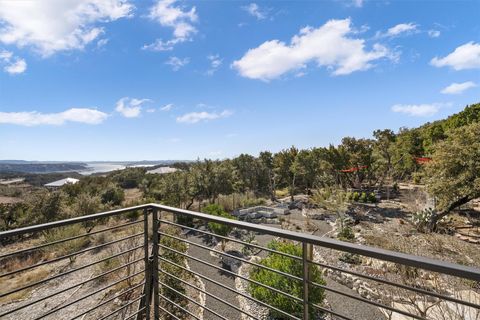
(161,264)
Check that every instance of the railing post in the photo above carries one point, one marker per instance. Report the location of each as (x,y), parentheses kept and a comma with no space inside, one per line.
(145,301)
(156,239)
(307,250)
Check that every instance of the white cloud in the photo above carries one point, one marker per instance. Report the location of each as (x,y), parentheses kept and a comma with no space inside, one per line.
(150,110)
(177,62)
(167,107)
(457,88)
(328,45)
(434,33)
(180,20)
(418,110)
(466,56)
(402,28)
(254,10)
(130,107)
(398,30)
(215,63)
(12,64)
(194,117)
(357,3)
(50,26)
(34,118)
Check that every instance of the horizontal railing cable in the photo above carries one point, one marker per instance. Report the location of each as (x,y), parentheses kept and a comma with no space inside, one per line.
(233,240)
(209,294)
(233,273)
(192,300)
(462,271)
(2,256)
(63,306)
(336,314)
(234,257)
(134,314)
(399,285)
(376,304)
(67,272)
(168,312)
(60,223)
(124,307)
(68,255)
(178,306)
(116,296)
(237,292)
(69,288)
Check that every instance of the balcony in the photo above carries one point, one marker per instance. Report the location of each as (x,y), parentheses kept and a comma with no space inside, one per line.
(157,262)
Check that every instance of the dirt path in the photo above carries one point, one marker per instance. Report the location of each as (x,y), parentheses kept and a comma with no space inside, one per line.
(212,273)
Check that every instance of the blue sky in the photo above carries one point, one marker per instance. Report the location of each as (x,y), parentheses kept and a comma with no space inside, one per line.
(126,80)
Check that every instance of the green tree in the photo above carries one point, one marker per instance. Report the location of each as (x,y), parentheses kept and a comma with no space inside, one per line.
(453,176)
(219,228)
(285,284)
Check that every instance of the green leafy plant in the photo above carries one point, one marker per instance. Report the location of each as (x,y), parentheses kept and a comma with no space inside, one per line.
(219,228)
(285,284)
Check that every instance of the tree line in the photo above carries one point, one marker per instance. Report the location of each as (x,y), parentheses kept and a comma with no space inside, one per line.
(387,158)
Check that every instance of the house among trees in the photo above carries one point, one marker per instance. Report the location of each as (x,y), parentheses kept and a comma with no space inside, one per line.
(61,182)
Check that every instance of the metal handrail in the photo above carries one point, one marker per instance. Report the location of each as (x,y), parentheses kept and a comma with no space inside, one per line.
(425,263)
(149,298)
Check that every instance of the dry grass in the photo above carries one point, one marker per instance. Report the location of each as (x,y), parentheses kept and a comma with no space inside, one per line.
(20,280)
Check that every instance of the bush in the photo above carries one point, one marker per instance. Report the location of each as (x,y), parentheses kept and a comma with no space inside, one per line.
(66,247)
(219,228)
(422,218)
(350,258)
(372,198)
(356,196)
(287,285)
(172,269)
(113,196)
(346,234)
(363,197)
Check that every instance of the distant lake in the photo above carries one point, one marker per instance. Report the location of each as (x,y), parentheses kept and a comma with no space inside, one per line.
(102,167)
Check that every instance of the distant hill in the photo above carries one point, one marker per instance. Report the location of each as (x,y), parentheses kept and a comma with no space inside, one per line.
(38,167)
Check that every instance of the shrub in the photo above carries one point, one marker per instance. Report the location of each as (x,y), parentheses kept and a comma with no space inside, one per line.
(172,269)
(372,198)
(422,218)
(113,196)
(280,282)
(66,247)
(356,196)
(350,258)
(346,234)
(219,228)
(363,197)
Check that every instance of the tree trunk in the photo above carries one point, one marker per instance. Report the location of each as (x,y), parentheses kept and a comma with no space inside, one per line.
(432,224)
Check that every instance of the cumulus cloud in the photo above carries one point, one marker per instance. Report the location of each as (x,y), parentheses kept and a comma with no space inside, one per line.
(50,26)
(418,110)
(167,14)
(12,64)
(194,117)
(466,56)
(130,107)
(329,46)
(254,10)
(176,63)
(34,118)
(458,88)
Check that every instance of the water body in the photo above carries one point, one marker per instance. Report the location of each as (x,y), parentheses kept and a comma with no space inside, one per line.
(104,167)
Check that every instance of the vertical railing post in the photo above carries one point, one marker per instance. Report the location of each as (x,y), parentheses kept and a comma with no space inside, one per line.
(145,301)
(155,275)
(307,250)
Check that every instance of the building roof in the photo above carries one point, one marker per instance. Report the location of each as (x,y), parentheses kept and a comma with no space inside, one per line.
(62,182)
(162,170)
